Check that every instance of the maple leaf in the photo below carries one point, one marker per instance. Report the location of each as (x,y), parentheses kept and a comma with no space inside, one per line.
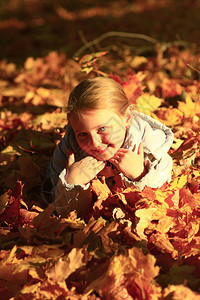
(26,217)
(179,182)
(4,201)
(137,61)
(186,153)
(145,216)
(193,185)
(161,241)
(109,238)
(66,265)
(188,199)
(102,192)
(168,116)
(49,121)
(189,107)
(100,188)
(147,103)
(45,290)
(12,275)
(171,88)
(11,204)
(180,292)
(45,226)
(133,87)
(88,62)
(165,222)
(128,276)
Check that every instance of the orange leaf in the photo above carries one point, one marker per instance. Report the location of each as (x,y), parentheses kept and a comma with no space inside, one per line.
(161,241)
(66,265)
(145,216)
(180,292)
(169,116)
(133,87)
(128,277)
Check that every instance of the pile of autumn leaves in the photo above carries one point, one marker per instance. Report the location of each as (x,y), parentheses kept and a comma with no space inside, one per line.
(133,244)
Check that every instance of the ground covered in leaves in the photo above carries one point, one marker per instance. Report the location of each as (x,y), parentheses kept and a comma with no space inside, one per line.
(133,244)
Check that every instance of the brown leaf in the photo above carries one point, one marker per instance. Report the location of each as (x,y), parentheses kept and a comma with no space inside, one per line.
(65,266)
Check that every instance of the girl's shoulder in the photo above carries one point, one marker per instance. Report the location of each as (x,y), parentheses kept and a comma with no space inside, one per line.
(143,119)
(157,137)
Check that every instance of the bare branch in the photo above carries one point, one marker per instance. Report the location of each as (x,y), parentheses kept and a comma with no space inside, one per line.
(111,34)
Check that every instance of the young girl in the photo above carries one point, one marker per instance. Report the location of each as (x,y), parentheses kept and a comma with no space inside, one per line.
(103,130)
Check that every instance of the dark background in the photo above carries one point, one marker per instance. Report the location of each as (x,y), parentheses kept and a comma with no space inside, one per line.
(36,27)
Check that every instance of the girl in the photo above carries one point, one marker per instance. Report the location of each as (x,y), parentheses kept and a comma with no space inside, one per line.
(103,130)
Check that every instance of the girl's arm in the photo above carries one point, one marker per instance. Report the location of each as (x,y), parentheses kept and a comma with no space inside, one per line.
(156,175)
(73,190)
(67,197)
(157,139)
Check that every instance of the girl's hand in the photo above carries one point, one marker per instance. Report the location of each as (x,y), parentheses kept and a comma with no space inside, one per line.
(81,172)
(129,163)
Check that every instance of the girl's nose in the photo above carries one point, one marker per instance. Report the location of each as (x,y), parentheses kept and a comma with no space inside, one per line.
(95,141)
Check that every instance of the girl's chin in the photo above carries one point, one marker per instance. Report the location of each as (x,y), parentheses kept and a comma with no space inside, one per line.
(104,156)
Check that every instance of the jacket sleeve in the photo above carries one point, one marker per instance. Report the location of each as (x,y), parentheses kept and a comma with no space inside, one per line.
(158,173)
(157,139)
(67,197)
(70,197)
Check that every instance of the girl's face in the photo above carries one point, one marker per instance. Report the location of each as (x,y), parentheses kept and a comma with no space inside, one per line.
(100,133)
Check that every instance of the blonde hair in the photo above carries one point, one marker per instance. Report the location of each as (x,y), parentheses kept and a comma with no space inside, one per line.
(97,93)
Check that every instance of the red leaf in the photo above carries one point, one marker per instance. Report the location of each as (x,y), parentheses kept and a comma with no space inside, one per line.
(26,217)
(11,213)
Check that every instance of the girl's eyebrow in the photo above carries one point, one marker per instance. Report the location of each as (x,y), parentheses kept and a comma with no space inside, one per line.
(99,126)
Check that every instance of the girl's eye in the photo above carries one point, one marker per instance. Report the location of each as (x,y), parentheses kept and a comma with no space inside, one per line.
(103,128)
(82,134)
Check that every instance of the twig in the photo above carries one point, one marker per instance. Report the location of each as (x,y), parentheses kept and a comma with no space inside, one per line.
(193,68)
(111,34)
(83,40)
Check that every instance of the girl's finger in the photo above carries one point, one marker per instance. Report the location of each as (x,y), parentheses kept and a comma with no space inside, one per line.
(114,161)
(71,159)
(95,164)
(122,150)
(118,156)
(140,149)
(88,160)
(98,163)
(99,168)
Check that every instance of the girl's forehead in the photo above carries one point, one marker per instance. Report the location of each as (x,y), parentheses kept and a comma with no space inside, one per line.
(94,118)
(94,114)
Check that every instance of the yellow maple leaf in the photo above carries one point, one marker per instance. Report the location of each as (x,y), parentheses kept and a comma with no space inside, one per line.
(169,116)
(147,103)
(189,107)
(145,216)
(179,182)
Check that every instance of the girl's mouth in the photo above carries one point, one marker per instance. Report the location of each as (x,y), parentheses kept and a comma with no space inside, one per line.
(102,151)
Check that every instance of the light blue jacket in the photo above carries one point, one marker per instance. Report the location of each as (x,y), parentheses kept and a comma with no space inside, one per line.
(157,140)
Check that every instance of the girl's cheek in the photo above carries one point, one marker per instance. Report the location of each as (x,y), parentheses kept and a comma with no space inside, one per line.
(106,138)
(83,144)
